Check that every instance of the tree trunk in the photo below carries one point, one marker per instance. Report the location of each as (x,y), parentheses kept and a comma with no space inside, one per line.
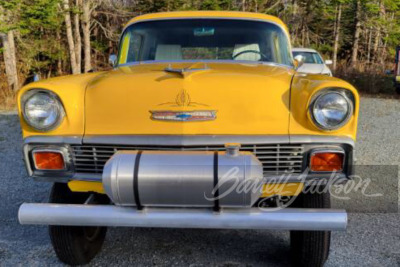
(95,53)
(78,39)
(10,59)
(294,18)
(357,33)
(11,42)
(369,45)
(59,59)
(378,35)
(384,50)
(376,42)
(9,53)
(303,34)
(86,34)
(337,36)
(70,38)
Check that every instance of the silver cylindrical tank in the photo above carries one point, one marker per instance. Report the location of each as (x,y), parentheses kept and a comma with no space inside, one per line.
(183,178)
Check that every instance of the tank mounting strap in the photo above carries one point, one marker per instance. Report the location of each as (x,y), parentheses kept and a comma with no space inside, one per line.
(135,180)
(216,192)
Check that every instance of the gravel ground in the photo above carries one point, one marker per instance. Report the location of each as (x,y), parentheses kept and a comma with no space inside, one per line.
(371,239)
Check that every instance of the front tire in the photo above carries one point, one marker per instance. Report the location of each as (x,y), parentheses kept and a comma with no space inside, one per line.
(75,245)
(310,248)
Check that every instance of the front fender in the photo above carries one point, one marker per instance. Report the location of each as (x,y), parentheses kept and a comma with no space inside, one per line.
(71,91)
(303,88)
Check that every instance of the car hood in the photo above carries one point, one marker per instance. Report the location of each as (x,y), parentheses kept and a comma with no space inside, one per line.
(246,98)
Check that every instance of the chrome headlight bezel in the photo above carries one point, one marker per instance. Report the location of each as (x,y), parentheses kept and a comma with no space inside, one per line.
(344,93)
(59,107)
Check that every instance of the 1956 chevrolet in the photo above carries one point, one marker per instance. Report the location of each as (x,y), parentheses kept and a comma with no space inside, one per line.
(199,110)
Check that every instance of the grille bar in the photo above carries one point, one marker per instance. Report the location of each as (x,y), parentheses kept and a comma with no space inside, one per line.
(276,158)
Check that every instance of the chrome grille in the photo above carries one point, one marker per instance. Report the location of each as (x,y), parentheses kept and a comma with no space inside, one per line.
(276,158)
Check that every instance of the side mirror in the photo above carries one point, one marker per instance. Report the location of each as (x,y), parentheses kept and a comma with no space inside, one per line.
(328,62)
(298,61)
(389,72)
(112,59)
(36,77)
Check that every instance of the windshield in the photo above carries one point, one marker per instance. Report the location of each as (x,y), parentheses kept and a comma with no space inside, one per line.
(309,57)
(204,39)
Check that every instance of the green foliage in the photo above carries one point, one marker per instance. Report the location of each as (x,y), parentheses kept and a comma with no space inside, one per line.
(9,16)
(40,15)
(10,4)
(210,5)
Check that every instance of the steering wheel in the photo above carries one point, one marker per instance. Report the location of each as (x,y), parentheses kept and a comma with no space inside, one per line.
(250,51)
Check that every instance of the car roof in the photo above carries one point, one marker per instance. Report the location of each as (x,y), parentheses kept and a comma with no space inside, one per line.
(209,14)
(299,49)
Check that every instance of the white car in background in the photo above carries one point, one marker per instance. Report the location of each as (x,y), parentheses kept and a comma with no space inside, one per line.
(312,61)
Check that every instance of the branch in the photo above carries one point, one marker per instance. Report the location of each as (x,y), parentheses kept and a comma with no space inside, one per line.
(107,33)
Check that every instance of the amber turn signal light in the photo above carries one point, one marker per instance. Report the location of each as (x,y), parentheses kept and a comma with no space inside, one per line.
(326,162)
(45,160)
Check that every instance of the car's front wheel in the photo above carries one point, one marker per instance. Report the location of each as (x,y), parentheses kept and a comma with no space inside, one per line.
(75,245)
(310,248)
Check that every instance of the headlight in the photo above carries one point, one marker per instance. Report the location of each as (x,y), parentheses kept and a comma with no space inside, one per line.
(331,110)
(42,110)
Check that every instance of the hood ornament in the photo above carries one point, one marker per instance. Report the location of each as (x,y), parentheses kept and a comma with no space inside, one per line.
(185,72)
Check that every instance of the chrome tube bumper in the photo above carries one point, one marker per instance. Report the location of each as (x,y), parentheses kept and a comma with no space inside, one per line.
(117,216)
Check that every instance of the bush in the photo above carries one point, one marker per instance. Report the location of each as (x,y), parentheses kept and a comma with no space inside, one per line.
(7,99)
(368,78)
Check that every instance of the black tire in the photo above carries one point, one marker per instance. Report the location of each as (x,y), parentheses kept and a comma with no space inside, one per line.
(310,248)
(75,245)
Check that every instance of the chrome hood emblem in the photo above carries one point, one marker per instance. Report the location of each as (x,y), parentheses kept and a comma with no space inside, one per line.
(194,115)
(183,100)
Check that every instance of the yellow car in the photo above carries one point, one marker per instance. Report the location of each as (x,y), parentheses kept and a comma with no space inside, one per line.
(203,122)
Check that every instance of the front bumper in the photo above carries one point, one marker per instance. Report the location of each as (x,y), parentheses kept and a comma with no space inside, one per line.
(109,215)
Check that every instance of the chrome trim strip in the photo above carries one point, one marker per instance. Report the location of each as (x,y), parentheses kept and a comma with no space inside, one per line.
(154,113)
(189,139)
(88,177)
(110,215)
(85,177)
(27,160)
(330,139)
(184,140)
(47,139)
